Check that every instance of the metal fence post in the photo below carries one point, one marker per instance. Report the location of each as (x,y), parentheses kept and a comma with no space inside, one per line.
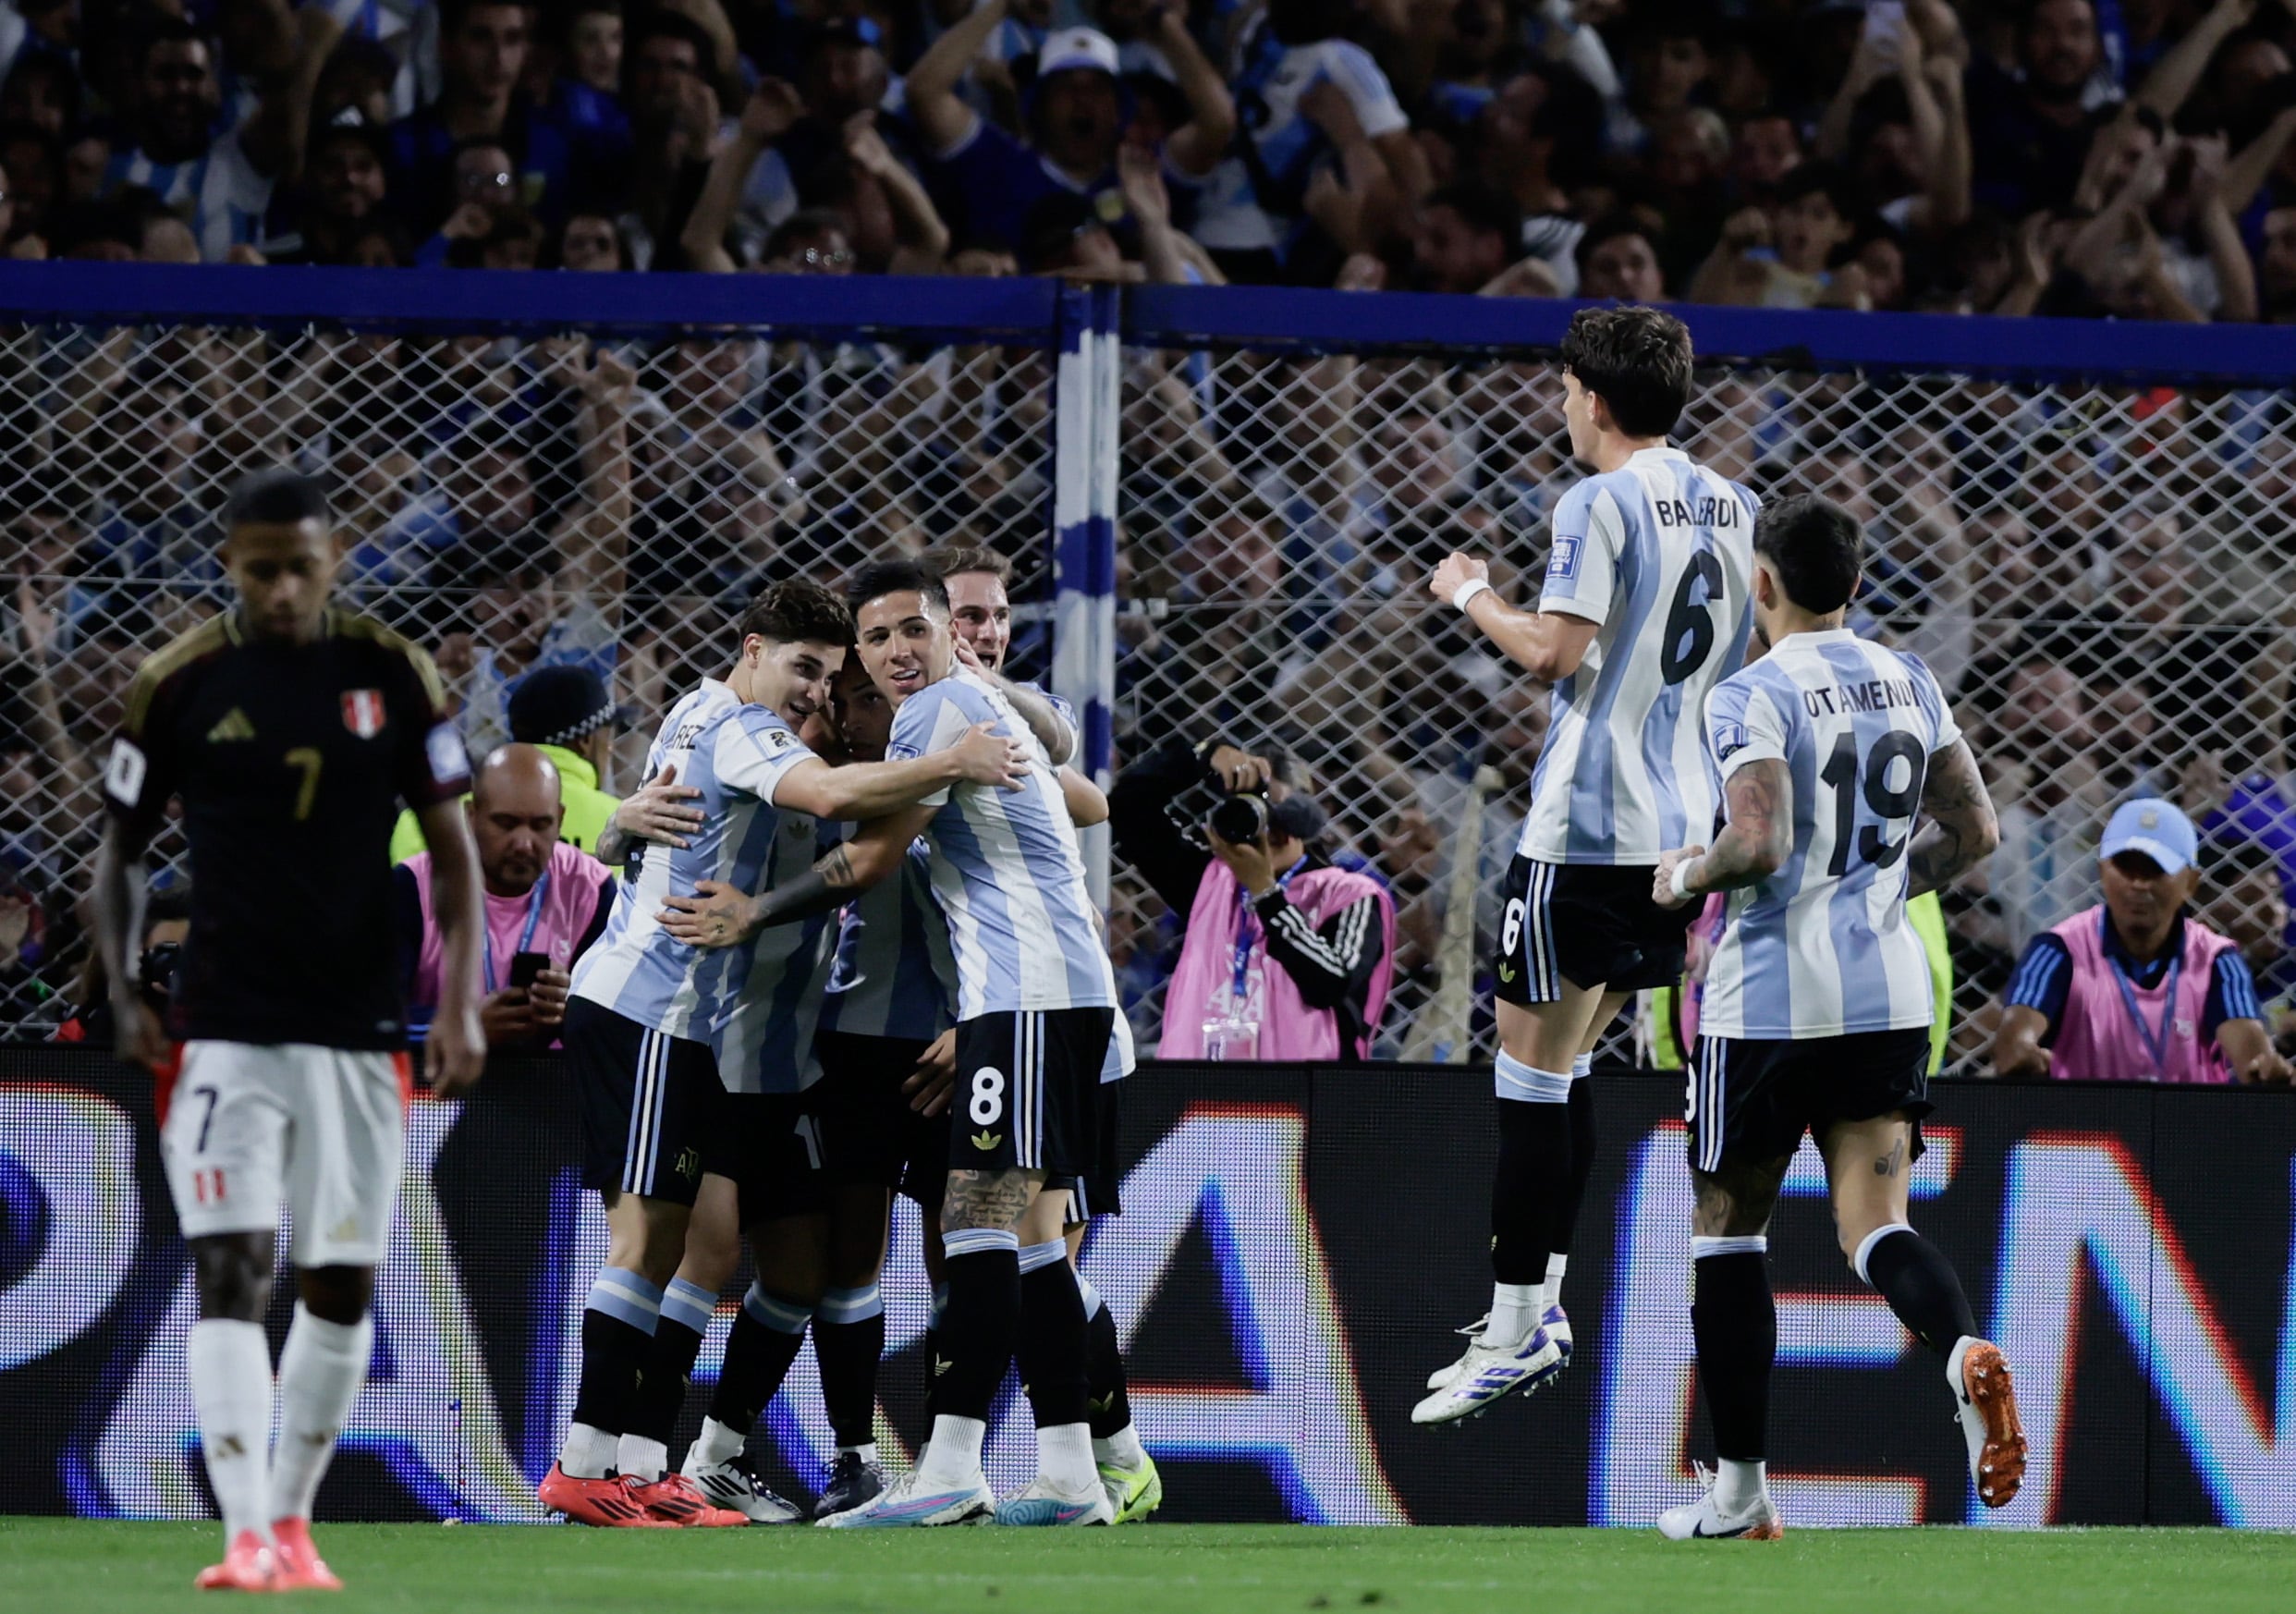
(1085,417)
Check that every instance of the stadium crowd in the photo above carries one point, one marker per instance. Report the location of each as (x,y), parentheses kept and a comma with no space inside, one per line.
(2098,575)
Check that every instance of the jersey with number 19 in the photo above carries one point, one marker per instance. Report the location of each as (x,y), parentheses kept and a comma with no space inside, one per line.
(1823,948)
(1660,552)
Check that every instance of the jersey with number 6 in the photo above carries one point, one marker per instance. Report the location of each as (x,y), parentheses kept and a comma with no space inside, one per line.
(1822,948)
(291,761)
(1660,554)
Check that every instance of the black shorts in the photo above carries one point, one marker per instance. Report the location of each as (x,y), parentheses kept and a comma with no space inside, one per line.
(1592,924)
(868,1132)
(768,1146)
(1028,1091)
(1098,1189)
(1751,1098)
(650,1103)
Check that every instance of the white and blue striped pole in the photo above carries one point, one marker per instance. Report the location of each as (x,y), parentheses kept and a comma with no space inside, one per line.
(1085,421)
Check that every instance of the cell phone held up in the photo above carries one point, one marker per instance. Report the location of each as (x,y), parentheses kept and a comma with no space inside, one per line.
(525,967)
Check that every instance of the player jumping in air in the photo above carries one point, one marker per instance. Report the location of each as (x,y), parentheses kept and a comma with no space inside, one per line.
(1644,610)
(291,730)
(1818,1005)
(1036,1001)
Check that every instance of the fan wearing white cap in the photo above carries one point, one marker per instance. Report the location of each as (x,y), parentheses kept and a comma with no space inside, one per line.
(2137,988)
(1075,115)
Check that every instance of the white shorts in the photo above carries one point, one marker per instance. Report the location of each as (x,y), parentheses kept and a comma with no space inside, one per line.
(323,1127)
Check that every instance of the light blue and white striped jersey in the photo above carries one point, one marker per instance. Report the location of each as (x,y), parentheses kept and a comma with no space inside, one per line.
(1823,948)
(754,1004)
(1660,552)
(220,188)
(895,976)
(1252,203)
(1005,869)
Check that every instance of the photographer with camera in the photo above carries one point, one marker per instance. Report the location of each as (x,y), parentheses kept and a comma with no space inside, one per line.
(1285,955)
(167,922)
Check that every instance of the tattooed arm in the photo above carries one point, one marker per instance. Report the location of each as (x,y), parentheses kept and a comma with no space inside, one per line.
(718,915)
(1962,829)
(1755,844)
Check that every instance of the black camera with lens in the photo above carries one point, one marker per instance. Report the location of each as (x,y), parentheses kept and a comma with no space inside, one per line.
(1239,818)
(156,973)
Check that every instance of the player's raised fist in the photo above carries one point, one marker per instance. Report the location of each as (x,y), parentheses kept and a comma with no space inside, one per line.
(1456,571)
(1662,889)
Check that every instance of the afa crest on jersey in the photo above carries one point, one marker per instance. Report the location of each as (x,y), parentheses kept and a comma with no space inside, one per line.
(362,712)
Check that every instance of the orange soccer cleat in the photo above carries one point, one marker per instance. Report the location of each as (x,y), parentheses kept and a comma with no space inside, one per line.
(247,1567)
(297,1563)
(675,1499)
(610,1503)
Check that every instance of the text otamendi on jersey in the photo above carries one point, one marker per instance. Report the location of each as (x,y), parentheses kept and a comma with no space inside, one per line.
(1874,695)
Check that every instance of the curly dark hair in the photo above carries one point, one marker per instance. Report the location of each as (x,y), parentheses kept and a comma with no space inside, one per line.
(799,610)
(1637,360)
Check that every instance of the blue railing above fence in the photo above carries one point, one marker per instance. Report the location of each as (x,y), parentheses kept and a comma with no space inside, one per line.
(1028,311)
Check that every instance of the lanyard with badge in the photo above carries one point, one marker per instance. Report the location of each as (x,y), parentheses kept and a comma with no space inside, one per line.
(1235,1034)
(2155,1038)
(526,936)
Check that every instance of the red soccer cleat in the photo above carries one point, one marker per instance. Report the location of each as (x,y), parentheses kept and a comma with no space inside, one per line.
(247,1567)
(610,1503)
(297,1563)
(675,1499)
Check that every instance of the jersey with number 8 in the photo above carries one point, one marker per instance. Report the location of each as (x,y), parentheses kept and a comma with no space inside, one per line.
(1822,948)
(1660,552)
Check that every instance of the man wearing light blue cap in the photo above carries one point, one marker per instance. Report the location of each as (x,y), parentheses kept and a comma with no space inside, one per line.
(2137,988)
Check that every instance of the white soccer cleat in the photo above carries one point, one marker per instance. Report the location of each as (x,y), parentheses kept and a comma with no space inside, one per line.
(1987,1401)
(1487,1373)
(1558,1326)
(1703,1519)
(731,1485)
(1556,1323)
(1443,1375)
(905,1504)
(1040,1504)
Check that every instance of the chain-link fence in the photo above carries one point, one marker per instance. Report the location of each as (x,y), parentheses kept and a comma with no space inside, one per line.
(2099,572)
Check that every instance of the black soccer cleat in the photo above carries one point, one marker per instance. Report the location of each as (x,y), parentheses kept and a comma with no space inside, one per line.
(852,1482)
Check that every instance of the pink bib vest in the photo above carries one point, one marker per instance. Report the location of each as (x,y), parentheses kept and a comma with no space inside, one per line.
(577,884)
(2099,1041)
(1204,980)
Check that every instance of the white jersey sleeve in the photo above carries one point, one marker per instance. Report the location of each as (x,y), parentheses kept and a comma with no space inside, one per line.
(753,750)
(1351,66)
(1590,542)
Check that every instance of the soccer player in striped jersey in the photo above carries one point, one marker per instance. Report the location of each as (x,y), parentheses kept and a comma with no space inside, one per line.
(1644,610)
(1036,1004)
(1818,1005)
(658,1034)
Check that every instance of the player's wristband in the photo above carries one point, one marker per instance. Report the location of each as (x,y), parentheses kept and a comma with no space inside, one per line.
(1467,591)
(1681,878)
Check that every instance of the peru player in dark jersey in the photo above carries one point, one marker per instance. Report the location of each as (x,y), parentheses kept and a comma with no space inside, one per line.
(291,731)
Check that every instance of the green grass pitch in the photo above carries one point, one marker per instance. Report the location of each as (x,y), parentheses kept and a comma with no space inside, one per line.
(61,1567)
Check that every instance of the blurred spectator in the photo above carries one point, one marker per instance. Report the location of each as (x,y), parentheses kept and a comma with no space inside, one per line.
(545,902)
(1617,259)
(481,52)
(565,713)
(1285,955)
(2138,989)
(2246,902)
(87,1019)
(1468,232)
(222,182)
(347,187)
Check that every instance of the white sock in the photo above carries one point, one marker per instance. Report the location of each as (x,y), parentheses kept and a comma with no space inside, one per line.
(634,1454)
(1122,1448)
(1515,1309)
(588,1451)
(953,1456)
(716,1443)
(320,1373)
(866,1453)
(230,1372)
(1063,1457)
(1737,1486)
(1556,1267)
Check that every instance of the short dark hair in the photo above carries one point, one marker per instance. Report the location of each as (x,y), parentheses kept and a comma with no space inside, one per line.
(1815,546)
(1820,178)
(881,578)
(671,24)
(278,498)
(798,610)
(160,27)
(1610,228)
(1483,208)
(1637,359)
(957,559)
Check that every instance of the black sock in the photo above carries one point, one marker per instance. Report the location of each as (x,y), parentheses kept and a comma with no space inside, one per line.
(1052,1343)
(1582,1108)
(661,1391)
(764,1342)
(848,1350)
(1111,1405)
(1734,1321)
(1533,1158)
(983,1318)
(613,1352)
(1921,1286)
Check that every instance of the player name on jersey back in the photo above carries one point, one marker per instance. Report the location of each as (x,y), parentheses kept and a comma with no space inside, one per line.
(1822,947)
(1660,554)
